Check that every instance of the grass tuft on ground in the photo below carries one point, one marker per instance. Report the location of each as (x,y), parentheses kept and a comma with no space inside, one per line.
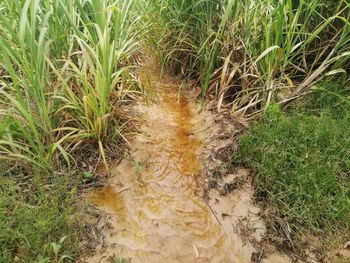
(38,222)
(301,164)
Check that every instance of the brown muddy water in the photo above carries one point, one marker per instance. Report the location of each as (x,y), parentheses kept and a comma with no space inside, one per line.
(154,198)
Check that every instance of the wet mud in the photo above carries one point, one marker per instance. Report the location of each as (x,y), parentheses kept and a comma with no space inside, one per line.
(155,195)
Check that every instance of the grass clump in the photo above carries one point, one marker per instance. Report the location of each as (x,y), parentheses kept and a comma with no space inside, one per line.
(252,52)
(301,164)
(66,68)
(38,222)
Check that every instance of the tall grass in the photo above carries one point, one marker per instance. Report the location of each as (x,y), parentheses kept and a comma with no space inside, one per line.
(256,51)
(97,73)
(65,72)
(25,94)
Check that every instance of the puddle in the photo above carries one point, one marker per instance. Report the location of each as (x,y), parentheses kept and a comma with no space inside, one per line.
(154,198)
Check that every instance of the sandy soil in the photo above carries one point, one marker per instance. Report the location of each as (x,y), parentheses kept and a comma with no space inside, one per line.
(171,199)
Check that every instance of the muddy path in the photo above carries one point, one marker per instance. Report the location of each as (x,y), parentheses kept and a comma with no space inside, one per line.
(154,197)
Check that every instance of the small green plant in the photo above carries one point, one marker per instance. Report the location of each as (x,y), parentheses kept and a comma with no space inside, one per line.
(120,260)
(56,249)
(274,113)
(57,258)
(88,175)
(138,167)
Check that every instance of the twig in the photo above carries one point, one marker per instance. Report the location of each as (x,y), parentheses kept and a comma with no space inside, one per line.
(212,211)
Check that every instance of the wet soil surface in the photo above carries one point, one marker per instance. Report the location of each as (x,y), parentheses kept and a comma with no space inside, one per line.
(163,201)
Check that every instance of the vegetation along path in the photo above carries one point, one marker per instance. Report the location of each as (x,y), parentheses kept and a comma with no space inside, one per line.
(238,150)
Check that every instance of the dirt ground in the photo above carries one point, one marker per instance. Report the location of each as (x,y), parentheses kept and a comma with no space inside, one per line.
(174,197)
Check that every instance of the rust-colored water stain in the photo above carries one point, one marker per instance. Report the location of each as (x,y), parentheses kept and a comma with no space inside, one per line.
(157,215)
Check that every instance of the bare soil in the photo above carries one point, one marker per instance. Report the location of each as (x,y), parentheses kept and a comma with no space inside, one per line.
(174,196)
